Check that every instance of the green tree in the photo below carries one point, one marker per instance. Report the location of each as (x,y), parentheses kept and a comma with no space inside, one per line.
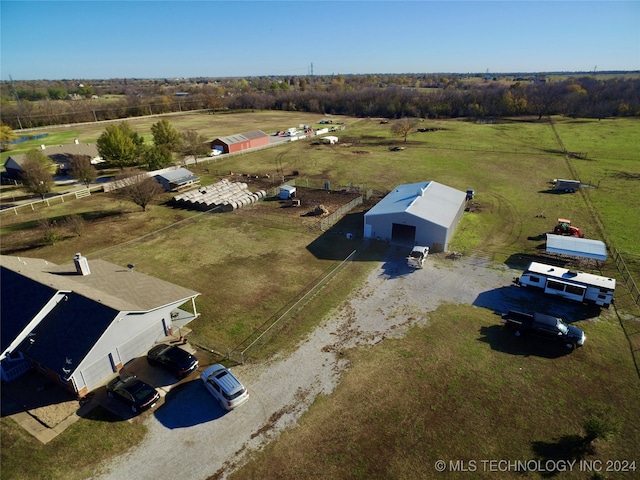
(7,135)
(194,145)
(156,157)
(120,145)
(80,167)
(165,135)
(36,173)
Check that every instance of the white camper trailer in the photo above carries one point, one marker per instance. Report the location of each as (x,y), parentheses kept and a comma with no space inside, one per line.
(569,284)
(567,186)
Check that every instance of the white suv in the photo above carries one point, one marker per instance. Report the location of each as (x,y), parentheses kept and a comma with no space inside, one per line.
(226,388)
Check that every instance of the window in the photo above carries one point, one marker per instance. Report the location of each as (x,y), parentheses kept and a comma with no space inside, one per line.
(555,286)
(575,290)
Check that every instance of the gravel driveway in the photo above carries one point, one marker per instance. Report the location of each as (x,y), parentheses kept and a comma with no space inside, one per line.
(191,437)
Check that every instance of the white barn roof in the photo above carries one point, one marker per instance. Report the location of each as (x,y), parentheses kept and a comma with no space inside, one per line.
(576,247)
(432,201)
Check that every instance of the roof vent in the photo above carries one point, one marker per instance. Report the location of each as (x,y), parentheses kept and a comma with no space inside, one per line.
(82,264)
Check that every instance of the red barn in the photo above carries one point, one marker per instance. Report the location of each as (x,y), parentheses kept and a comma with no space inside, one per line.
(241,141)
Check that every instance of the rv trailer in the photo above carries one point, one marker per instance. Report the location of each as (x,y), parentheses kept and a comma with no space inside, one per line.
(569,284)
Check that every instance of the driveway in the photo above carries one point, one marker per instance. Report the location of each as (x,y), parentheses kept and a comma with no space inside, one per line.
(191,437)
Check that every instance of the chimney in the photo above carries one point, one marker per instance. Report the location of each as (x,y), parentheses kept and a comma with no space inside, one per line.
(82,264)
(42,147)
(76,141)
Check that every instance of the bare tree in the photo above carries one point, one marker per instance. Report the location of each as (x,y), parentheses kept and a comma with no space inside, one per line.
(75,223)
(194,144)
(81,168)
(140,189)
(402,128)
(50,231)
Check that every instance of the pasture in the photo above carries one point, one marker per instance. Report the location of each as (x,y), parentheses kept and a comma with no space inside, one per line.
(248,266)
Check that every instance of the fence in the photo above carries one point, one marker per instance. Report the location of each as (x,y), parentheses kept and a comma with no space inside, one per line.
(629,324)
(48,201)
(626,276)
(262,334)
(329,220)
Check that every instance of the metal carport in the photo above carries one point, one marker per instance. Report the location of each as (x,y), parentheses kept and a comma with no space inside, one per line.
(576,247)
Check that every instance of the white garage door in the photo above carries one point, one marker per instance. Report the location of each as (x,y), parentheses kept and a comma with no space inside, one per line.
(94,374)
(141,342)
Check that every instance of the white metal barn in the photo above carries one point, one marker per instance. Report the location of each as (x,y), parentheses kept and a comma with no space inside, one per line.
(425,213)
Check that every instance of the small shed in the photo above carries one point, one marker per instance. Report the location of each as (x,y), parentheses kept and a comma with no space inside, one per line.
(178,180)
(287,192)
(329,139)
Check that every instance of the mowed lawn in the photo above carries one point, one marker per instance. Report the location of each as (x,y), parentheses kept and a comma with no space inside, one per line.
(454,393)
(463,391)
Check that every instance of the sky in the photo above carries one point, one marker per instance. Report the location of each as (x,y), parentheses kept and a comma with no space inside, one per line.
(171,39)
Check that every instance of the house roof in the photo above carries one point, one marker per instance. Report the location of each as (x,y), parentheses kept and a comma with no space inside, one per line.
(86,306)
(16,314)
(117,287)
(61,153)
(242,137)
(67,333)
(432,201)
(576,247)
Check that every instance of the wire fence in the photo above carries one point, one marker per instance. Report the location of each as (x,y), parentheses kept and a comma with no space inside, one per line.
(242,352)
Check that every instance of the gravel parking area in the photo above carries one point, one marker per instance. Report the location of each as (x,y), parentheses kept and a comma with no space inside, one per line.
(191,437)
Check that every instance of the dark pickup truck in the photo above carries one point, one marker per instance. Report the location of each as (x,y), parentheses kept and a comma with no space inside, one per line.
(544,326)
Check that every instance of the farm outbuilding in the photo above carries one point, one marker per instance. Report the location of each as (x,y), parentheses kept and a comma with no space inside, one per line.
(287,191)
(178,180)
(425,213)
(576,247)
(241,141)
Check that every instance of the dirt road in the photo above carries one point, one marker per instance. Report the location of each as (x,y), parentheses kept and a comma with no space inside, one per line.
(191,438)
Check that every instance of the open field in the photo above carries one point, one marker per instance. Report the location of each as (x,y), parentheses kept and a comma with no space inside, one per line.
(461,390)
(248,267)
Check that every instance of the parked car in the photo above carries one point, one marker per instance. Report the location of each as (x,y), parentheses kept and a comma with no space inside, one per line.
(417,256)
(546,327)
(133,391)
(225,388)
(172,358)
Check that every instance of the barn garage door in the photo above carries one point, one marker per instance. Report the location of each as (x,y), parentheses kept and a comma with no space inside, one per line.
(403,234)
(141,342)
(94,374)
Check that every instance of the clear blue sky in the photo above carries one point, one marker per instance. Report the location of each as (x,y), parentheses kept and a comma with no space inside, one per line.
(166,39)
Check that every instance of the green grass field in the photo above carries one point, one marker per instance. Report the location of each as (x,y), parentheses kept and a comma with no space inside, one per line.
(454,393)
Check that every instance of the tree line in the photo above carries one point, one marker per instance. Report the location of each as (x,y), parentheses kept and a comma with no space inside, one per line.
(390,97)
(122,147)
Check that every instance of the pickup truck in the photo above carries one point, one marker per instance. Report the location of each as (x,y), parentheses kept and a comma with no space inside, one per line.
(417,256)
(544,326)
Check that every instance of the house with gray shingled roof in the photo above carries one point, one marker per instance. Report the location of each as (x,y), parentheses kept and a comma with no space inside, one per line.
(60,155)
(81,322)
